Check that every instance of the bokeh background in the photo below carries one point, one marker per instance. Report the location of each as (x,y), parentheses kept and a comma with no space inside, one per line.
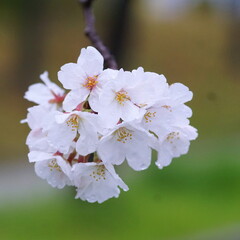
(193,42)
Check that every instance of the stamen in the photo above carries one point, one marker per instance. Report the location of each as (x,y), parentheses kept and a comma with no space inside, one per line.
(167,107)
(123,135)
(149,115)
(73,122)
(90,82)
(122,96)
(171,136)
(53,165)
(99,173)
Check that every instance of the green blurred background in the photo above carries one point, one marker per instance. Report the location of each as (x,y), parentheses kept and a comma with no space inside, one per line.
(193,42)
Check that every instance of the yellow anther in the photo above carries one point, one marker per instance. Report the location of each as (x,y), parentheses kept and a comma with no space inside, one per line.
(99,173)
(167,107)
(123,135)
(122,96)
(171,136)
(53,165)
(149,115)
(90,82)
(73,121)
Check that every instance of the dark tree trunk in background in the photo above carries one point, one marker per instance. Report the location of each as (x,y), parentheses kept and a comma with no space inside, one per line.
(234,40)
(32,22)
(119,28)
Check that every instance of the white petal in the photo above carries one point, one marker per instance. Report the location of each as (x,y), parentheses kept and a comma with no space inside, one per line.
(36,156)
(71,76)
(149,88)
(94,100)
(139,159)
(111,151)
(182,111)
(36,116)
(88,140)
(111,170)
(88,127)
(37,141)
(157,120)
(108,94)
(164,158)
(65,167)
(51,86)
(107,76)
(61,117)
(91,61)
(53,176)
(139,153)
(93,187)
(180,93)
(61,137)
(190,132)
(130,111)
(23,121)
(110,115)
(74,98)
(38,93)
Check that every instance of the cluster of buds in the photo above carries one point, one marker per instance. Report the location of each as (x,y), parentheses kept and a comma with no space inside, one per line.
(103,118)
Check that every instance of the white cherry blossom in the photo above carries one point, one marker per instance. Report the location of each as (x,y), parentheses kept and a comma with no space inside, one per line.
(127,141)
(116,100)
(37,140)
(175,100)
(107,117)
(84,78)
(39,118)
(47,94)
(174,144)
(169,110)
(149,87)
(96,182)
(78,125)
(51,167)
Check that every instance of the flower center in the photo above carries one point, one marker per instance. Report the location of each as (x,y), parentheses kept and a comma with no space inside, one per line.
(53,165)
(148,116)
(122,96)
(90,82)
(57,98)
(123,135)
(173,135)
(73,122)
(99,173)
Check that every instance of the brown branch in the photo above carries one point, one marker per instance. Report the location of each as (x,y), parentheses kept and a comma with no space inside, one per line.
(91,33)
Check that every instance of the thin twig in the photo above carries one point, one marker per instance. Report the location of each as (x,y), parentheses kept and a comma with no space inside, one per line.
(91,33)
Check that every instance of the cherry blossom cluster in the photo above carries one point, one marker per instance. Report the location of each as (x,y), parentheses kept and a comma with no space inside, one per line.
(100,119)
